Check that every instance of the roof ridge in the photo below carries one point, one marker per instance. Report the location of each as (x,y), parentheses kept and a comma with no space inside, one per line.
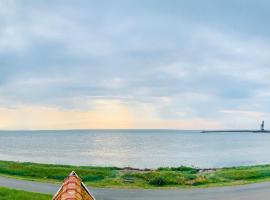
(68,180)
(73,173)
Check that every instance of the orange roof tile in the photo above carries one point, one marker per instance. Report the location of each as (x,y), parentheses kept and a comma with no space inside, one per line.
(73,189)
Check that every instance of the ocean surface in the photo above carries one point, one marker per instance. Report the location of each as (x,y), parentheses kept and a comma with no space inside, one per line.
(136,148)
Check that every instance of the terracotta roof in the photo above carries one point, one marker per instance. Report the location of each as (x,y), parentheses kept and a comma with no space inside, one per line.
(73,189)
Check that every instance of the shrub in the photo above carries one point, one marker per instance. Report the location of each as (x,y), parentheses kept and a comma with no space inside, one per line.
(157,181)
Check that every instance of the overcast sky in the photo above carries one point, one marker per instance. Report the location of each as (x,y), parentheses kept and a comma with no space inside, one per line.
(134,64)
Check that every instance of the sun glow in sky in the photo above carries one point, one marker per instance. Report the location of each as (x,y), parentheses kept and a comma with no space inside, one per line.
(134,64)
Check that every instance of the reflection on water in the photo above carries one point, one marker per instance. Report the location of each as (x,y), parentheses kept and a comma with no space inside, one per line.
(142,148)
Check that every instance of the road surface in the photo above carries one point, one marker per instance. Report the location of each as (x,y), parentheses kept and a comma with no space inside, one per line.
(258,191)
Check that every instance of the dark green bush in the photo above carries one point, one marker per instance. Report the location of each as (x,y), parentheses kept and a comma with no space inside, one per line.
(157,181)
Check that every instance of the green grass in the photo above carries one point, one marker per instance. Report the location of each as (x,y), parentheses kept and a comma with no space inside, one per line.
(10,194)
(133,178)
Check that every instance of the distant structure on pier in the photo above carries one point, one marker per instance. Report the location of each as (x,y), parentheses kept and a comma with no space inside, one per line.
(73,189)
(261,130)
(262,126)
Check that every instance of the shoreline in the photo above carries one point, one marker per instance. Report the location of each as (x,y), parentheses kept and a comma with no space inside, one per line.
(135,178)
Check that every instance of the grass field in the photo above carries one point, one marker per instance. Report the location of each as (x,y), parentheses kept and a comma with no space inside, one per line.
(10,194)
(135,178)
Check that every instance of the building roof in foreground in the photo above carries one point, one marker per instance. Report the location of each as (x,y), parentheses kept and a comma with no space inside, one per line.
(73,189)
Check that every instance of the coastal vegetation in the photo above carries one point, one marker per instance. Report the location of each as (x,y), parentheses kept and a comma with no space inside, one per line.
(10,194)
(137,178)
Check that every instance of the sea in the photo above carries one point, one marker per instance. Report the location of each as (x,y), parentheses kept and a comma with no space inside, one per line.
(136,148)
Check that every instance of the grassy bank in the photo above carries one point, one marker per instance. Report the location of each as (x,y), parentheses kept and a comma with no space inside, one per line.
(135,178)
(10,194)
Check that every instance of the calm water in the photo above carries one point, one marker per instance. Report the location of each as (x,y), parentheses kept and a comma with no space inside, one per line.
(143,149)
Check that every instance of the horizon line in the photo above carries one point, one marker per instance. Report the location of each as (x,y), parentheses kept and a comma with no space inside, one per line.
(126,129)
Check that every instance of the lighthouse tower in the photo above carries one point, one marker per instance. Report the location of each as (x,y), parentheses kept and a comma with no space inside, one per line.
(262,126)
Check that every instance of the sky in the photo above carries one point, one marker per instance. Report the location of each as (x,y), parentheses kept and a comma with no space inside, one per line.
(68,64)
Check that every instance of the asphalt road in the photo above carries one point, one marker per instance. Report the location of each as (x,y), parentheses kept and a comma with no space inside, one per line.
(258,191)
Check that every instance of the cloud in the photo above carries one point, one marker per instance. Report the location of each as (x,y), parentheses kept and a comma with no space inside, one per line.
(179,62)
(107,114)
(245,113)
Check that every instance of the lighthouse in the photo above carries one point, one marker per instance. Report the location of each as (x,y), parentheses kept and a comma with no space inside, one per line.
(262,126)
